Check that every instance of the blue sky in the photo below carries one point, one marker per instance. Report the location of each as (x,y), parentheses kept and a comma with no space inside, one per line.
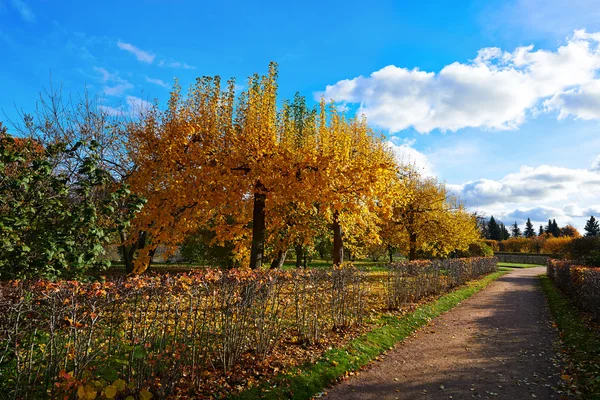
(512,129)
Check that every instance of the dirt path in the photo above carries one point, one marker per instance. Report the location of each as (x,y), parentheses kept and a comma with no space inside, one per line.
(497,345)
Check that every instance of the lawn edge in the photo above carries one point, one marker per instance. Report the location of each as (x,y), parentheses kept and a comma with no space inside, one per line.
(335,363)
(576,338)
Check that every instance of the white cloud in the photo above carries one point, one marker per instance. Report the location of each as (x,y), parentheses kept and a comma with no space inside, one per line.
(141,55)
(407,155)
(114,85)
(495,90)
(596,164)
(158,82)
(134,107)
(175,64)
(543,183)
(24,10)
(137,105)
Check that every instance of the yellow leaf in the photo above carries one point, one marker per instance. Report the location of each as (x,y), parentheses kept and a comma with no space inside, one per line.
(145,395)
(119,384)
(90,392)
(129,398)
(81,392)
(110,392)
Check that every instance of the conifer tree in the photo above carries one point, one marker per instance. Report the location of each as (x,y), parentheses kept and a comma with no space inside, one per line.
(515,230)
(505,233)
(548,228)
(494,231)
(555,229)
(592,228)
(541,232)
(529,231)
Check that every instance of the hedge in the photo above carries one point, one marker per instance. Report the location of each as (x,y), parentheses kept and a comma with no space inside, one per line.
(580,283)
(180,335)
(523,258)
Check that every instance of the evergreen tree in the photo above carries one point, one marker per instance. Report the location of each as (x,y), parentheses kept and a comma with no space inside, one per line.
(548,228)
(494,231)
(505,234)
(515,230)
(541,231)
(592,228)
(529,231)
(555,229)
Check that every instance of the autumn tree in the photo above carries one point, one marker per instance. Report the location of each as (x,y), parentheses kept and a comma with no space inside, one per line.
(261,178)
(569,231)
(432,222)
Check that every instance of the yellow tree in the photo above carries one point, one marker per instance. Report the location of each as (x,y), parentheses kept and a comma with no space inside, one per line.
(431,221)
(228,164)
(356,167)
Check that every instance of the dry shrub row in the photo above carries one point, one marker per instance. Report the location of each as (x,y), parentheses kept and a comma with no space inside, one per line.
(158,332)
(410,281)
(580,283)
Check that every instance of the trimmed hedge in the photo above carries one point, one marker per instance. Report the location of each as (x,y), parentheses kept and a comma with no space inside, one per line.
(523,258)
(581,284)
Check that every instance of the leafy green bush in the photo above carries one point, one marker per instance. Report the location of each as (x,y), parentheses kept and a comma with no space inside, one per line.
(476,249)
(199,248)
(54,223)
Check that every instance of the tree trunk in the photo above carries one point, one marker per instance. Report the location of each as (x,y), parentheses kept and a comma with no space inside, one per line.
(391,253)
(412,254)
(128,251)
(258,227)
(278,261)
(338,244)
(299,255)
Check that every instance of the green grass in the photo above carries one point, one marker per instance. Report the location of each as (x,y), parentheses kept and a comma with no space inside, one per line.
(517,265)
(581,343)
(310,379)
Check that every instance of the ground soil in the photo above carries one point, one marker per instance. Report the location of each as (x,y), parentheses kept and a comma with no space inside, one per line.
(498,345)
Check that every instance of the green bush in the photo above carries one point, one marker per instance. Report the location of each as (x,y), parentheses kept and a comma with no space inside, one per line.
(54,223)
(199,248)
(476,249)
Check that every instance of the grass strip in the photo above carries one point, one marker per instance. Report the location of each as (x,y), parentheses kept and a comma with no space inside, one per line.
(582,344)
(310,379)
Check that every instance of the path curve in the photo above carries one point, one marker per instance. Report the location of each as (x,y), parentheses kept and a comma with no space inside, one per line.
(498,345)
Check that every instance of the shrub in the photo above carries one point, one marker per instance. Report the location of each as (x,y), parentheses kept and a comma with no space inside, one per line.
(584,250)
(200,248)
(493,244)
(476,249)
(53,222)
(516,245)
(178,334)
(409,281)
(580,283)
(556,245)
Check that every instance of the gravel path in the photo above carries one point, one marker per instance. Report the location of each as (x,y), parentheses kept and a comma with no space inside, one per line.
(497,345)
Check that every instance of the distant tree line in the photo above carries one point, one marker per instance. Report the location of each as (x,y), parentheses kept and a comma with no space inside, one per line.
(496,230)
